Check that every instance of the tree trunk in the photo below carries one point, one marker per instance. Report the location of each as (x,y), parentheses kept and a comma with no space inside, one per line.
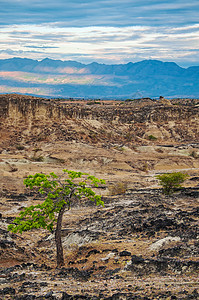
(60,255)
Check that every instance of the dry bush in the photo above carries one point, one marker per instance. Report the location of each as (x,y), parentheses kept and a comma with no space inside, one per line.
(194,154)
(117,188)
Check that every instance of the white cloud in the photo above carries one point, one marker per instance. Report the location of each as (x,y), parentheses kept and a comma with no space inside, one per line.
(95,43)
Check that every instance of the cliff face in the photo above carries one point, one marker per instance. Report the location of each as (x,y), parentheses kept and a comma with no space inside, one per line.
(19,108)
(24,116)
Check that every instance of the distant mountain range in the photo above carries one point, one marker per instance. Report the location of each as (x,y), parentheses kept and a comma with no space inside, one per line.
(56,78)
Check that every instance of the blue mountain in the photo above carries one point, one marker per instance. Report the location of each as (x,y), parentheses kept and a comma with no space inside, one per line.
(56,78)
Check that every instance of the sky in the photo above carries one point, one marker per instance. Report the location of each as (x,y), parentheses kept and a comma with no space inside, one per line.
(104,31)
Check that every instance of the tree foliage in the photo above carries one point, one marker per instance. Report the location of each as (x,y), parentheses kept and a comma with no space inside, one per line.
(171,181)
(59,191)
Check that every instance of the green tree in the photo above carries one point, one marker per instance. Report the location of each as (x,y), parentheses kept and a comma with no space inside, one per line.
(58,191)
(171,181)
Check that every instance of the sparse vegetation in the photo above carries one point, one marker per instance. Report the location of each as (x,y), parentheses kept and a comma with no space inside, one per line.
(128,136)
(145,167)
(60,160)
(36,157)
(93,102)
(119,148)
(109,134)
(39,158)
(194,154)
(37,150)
(159,150)
(152,137)
(20,147)
(129,100)
(171,181)
(42,137)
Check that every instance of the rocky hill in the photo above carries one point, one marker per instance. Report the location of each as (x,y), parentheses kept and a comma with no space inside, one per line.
(143,244)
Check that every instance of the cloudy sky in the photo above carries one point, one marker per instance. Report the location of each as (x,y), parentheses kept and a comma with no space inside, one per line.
(105,31)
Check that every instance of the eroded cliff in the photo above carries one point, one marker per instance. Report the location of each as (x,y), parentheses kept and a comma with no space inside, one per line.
(124,122)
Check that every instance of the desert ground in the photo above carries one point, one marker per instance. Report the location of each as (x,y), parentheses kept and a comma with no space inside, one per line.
(142,244)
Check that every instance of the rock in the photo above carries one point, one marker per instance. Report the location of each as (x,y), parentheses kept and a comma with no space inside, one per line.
(125,253)
(163,242)
(173,251)
(94,251)
(160,223)
(125,296)
(136,259)
(110,255)
(7,291)
(6,244)
(76,273)
(112,272)
(80,238)
(148,266)
(48,295)
(82,261)
(26,297)
(66,296)
(102,267)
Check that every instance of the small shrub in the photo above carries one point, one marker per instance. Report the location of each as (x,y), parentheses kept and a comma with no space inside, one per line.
(93,102)
(129,100)
(128,136)
(56,160)
(145,167)
(13,169)
(60,160)
(117,188)
(194,154)
(42,137)
(171,181)
(152,137)
(72,253)
(37,158)
(37,150)
(109,134)
(20,147)
(119,148)
(159,150)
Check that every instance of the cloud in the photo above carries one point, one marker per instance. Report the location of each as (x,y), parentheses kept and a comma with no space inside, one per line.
(110,31)
(78,13)
(113,44)
(41,47)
